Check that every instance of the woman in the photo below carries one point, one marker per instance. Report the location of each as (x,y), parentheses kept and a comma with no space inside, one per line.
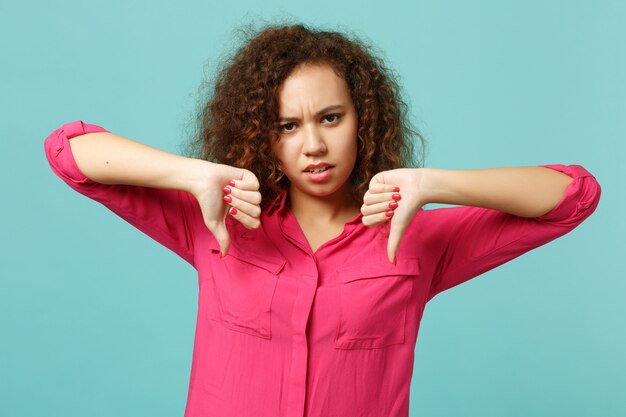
(314,258)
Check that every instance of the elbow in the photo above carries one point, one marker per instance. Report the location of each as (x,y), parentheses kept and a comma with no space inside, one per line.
(581,199)
(590,200)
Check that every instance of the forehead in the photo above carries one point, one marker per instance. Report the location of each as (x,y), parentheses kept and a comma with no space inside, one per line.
(314,85)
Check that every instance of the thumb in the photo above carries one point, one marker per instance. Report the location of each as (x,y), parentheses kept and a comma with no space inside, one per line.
(221,235)
(396,231)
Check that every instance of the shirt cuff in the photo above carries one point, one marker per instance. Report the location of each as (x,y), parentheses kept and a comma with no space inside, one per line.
(580,196)
(60,152)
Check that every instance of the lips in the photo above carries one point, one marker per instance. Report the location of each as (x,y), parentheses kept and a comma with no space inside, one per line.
(317,166)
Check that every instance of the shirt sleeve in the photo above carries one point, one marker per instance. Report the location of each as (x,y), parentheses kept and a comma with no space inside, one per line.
(165,215)
(474,240)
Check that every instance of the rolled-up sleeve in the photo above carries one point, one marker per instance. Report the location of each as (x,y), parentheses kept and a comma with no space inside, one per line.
(474,240)
(167,216)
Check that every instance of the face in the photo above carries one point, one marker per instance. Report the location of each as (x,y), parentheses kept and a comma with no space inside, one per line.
(318,125)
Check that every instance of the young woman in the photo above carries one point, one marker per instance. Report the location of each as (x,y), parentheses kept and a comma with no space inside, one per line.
(303,216)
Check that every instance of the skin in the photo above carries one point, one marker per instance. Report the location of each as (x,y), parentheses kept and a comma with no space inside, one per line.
(307,137)
(321,209)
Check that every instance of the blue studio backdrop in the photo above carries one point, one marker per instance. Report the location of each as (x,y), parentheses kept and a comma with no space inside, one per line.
(97,319)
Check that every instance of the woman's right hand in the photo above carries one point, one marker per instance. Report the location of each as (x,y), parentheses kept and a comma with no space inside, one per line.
(212,183)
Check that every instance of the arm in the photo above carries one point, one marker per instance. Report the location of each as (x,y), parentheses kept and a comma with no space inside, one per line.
(147,187)
(527,191)
(519,214)
(107,158)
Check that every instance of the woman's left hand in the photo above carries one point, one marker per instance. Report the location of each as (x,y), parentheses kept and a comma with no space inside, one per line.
(393,197)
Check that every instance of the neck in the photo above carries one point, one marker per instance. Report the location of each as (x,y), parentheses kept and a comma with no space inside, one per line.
(337,207)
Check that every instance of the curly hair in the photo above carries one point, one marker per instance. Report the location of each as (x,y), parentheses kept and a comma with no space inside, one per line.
(238,123)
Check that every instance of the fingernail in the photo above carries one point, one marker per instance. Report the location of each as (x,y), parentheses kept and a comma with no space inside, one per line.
(396,197)
(226,190)
(389,213)
(396,189)
(232,182)
(233,211)
(393,205)
(228,198)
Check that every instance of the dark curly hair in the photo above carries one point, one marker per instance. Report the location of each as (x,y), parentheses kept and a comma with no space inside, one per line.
(237,124)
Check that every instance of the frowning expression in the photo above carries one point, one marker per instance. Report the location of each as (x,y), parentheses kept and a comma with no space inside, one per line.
(318,127)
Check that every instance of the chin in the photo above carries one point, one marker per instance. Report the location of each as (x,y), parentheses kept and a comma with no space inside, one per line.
(324,190)
(319,190)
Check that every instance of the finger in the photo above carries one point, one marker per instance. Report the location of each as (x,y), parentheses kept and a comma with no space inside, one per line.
(244,185)
(248,221)
(369,198)
(377,179)
(380,180)
(251,211)
(382,207)
(252,197)
(248,181)
(377,218)
(377,187)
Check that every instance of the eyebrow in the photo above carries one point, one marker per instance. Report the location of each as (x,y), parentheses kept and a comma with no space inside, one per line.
(324,110)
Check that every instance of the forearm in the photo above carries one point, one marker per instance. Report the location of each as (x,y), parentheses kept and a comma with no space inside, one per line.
(111,159)
(527,191)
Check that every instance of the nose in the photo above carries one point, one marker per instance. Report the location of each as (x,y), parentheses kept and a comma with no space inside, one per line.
(313,142)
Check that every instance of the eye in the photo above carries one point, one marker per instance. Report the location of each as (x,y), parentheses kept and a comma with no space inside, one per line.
(331,116)
(285,127)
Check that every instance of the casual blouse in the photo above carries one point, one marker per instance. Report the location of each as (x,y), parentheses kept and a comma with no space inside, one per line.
(285,331)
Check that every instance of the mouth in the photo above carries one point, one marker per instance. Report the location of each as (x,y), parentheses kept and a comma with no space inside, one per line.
(318,170)
(320,174)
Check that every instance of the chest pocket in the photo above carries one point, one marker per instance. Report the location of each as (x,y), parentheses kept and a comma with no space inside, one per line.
(245,282)
(373,299)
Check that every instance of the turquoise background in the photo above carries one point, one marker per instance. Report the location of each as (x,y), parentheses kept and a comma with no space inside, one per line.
(97,319)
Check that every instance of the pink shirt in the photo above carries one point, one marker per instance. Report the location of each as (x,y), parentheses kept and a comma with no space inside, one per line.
(282,331)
